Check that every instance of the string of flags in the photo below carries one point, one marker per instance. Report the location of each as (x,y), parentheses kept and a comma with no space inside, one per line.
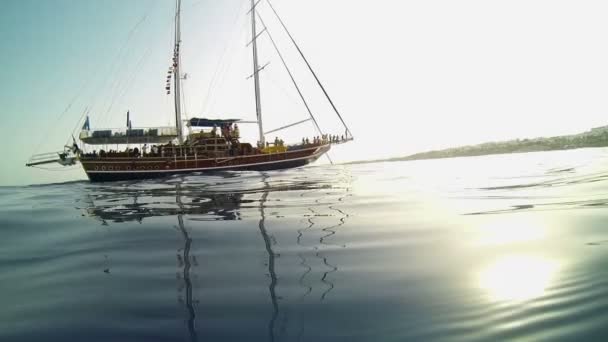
(172,69)
(168,85)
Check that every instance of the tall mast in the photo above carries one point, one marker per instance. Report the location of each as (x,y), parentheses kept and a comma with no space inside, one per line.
(256,77)
(176,73)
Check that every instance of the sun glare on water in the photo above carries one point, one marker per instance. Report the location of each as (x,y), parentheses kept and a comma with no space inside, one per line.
(517,278)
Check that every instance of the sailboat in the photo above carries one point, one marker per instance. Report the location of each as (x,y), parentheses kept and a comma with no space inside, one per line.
(208,145)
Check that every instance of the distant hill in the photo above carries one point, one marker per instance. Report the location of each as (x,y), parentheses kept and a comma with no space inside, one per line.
(596,137)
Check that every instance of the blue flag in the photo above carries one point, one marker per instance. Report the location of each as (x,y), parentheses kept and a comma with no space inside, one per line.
(86,126)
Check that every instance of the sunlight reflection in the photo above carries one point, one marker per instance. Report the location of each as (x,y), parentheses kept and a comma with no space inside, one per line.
(518,277)
(511,229)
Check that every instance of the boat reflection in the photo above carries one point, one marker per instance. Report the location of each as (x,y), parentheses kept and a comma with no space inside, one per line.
(193,204)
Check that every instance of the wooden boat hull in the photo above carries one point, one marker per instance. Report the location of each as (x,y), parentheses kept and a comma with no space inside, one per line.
(118,169)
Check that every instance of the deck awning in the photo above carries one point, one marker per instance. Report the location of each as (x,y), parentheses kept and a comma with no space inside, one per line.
(196,122)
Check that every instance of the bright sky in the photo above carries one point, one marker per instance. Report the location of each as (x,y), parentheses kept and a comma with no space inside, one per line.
(408,76)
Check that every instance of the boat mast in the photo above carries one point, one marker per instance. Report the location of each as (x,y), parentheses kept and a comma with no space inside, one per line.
(176,73)
(256,77)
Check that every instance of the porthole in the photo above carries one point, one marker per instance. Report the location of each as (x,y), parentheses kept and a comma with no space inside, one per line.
(103,168)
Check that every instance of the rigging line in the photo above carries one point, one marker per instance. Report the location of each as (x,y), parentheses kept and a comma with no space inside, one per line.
(95,74)
(290,74)
(115,66)
(197,3)
(221,80)
(68,107)
(133,76)
(287,126)
(135,73)
(45,137)
(221,62)
(84,112)
(275,83)
(117,94)
(309,67)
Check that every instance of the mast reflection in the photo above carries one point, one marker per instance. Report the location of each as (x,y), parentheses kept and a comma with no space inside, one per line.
(271,262)
(187,264)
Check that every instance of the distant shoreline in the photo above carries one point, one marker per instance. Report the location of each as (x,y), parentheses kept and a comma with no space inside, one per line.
(597,137)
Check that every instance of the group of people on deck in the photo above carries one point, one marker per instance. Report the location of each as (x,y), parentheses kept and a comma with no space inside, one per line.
(228,130)
(277,142)
(323,139)
(128,152)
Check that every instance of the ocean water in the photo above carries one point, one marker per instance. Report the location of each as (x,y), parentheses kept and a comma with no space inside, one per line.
(479,249)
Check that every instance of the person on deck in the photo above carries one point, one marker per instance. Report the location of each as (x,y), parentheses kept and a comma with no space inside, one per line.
(75,148)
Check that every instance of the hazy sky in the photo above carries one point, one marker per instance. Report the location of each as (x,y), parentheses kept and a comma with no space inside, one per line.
(407,76)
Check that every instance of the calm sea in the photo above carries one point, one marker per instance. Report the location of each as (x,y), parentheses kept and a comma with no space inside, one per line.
(478,249)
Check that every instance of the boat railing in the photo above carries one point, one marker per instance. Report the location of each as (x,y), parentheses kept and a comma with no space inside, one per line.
(128,132)
(128,135)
